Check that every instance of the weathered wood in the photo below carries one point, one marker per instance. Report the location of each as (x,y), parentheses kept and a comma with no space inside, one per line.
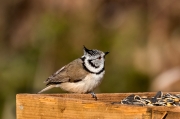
(55,106)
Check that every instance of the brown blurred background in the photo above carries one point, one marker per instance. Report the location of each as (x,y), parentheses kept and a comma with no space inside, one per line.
(37,37)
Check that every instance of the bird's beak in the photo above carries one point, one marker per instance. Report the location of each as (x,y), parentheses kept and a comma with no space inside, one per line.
(106,53)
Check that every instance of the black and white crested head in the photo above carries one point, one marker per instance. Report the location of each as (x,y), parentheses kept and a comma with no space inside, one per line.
(94,60)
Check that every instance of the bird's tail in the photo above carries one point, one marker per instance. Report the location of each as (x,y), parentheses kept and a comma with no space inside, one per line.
(47,88)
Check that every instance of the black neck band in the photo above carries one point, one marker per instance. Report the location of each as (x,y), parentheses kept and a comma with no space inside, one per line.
(84,66)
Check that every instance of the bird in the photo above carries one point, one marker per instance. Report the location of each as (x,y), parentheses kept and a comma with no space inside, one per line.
(82,75)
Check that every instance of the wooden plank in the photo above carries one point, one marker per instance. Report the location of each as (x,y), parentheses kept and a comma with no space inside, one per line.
(159,114)
(105,97)
(172,115)
(54,106)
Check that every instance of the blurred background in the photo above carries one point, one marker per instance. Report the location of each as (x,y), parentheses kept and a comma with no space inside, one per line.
(39,37)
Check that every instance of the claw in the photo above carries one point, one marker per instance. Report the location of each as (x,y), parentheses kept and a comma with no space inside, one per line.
(93,95)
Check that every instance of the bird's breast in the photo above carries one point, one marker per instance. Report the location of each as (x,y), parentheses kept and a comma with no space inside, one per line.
(88,84)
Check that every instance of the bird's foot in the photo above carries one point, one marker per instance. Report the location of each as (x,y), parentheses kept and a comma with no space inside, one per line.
(93,95)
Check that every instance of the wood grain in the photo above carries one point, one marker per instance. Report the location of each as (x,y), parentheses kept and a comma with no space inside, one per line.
(82,106)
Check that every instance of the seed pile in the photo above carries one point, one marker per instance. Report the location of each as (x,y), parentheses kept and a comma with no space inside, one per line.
(158,100)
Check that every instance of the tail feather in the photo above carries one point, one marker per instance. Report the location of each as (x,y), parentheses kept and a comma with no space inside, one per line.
(47,88)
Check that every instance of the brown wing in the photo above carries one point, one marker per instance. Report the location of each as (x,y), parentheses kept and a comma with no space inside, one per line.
(72,72)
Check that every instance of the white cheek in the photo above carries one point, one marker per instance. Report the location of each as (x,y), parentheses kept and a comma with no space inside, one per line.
(97,62)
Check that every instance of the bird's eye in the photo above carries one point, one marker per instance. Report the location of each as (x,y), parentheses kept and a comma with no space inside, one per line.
(99,57)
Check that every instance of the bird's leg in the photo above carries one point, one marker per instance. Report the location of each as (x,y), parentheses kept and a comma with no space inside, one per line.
(93,95)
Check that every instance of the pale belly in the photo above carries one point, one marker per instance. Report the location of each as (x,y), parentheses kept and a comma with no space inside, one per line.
(87,85)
